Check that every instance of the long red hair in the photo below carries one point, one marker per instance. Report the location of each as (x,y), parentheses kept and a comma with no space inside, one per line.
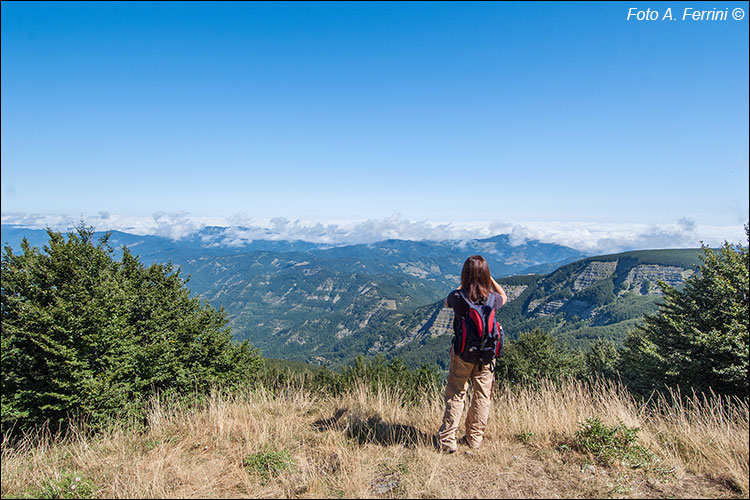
(475,278)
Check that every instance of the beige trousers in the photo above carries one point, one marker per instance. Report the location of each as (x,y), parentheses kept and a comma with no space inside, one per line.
(455,392)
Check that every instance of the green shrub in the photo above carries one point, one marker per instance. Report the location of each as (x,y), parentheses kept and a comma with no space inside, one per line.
(610,444)
(269,464)
(535,356)
(602,358)
(377,374)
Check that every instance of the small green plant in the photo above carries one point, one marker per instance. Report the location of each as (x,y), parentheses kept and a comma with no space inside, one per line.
(609,444)
(68,485)
(665,474)
(525,437)
(398,468)
(269,463)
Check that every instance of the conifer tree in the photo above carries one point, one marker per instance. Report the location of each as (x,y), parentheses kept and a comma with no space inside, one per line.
(698,339)
(84,334)
(602,358)
(537,355)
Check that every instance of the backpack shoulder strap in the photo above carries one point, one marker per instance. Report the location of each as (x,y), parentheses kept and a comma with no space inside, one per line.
(461,293)
(491,300)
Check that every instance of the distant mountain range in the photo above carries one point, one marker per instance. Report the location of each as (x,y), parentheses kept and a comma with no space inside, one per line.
(308,302)
(596,297)
(504,257)
(209,241)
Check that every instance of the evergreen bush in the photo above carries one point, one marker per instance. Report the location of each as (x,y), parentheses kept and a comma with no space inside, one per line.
(85,335)
(698,340)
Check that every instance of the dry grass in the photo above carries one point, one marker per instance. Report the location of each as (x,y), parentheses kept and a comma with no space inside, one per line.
(371,445)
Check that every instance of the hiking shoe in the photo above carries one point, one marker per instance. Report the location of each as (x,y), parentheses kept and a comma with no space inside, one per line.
(440,446)
(466,442)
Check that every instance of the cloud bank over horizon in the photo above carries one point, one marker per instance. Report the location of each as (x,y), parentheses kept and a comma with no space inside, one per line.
(241,229)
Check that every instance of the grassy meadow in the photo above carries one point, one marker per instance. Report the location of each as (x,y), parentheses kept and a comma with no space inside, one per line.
(541,442)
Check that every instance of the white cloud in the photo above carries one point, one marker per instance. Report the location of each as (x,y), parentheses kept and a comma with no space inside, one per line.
(602,238)
(240,229)
(174,225)
(39,221)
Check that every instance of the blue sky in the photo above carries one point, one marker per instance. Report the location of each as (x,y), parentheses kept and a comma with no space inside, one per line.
(445,112)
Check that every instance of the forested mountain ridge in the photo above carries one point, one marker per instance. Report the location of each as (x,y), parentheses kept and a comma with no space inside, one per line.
(210,241)
(297,300)
(291,307)
(439,260)
(597,297)
(331,311)
(301,305)
(302,301)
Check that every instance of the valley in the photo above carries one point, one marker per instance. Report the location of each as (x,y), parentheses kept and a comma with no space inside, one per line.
(325,305)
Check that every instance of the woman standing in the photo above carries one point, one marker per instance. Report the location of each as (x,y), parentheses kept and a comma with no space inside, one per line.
(476,286)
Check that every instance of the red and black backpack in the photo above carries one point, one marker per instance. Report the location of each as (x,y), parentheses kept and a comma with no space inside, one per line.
(479,338)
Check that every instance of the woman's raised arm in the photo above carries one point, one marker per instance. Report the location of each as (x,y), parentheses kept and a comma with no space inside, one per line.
(500,291)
